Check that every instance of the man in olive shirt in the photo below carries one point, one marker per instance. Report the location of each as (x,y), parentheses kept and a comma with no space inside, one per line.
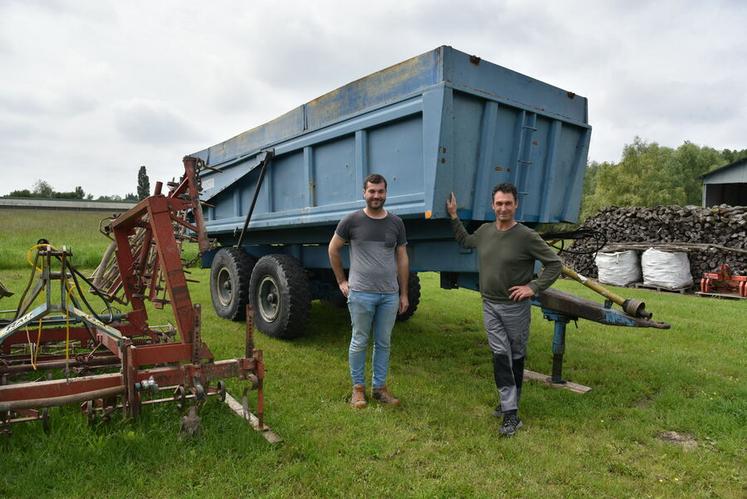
(507,252)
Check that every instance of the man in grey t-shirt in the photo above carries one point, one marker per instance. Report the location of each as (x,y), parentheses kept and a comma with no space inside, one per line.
(377,286)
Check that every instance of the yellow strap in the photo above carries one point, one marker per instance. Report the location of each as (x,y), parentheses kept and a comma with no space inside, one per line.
(31,251)
(34,348)
(31,347)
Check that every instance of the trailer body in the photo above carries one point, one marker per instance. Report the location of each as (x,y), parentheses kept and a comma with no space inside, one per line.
(441,122)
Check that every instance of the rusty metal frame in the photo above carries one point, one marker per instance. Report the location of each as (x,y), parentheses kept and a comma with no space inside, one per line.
(723,283)
(148,365)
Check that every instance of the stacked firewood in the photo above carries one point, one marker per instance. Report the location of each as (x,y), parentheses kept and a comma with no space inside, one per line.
(710,236)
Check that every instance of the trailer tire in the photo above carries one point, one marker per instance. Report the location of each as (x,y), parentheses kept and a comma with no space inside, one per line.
(334,296)
(413,295)
(229,283)
(280,295)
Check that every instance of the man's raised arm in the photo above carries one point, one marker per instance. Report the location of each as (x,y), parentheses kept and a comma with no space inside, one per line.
(464,238)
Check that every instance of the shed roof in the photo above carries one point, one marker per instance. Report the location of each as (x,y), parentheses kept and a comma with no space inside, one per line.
(731,168)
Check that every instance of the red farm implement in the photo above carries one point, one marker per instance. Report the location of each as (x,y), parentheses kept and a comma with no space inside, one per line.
(723,283)
(108,361)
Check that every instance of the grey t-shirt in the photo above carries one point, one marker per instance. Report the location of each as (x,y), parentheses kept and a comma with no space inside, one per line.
(373,242)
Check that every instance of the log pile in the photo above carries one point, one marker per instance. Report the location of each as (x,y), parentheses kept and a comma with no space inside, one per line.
(710,236)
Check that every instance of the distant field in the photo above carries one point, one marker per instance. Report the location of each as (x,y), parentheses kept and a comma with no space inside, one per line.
(79,230)
(443,441)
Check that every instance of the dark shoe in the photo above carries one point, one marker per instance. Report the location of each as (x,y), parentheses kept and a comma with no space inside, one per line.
(511,424)
(384,396)
(358,400)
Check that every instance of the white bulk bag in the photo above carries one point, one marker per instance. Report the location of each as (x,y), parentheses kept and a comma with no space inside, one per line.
(666,270)
(619,268)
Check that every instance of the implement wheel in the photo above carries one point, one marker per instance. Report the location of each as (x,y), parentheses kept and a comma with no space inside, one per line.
(280,296)
(229,283)
(44,416)
(413,295)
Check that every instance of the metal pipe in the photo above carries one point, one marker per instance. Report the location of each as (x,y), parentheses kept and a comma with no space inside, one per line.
(59,364)
(634,308)
(190,170)
(249,344)
(265,161)
(16,405)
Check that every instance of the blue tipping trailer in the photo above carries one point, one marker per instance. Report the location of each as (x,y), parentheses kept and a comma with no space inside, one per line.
(440,122)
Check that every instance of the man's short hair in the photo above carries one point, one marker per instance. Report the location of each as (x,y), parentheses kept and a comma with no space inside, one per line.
(506,188)
(374,178)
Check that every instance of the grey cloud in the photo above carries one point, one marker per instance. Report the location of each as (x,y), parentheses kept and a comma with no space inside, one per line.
(45,104)
(58,7)
(52,5)
(303,62)
(678,102)
(152,122)
(308,56)
(12,131)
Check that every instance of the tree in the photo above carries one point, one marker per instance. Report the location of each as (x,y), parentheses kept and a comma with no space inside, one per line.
(689,162)
(143,183)
(732,156)
(650,175)
(23,193)
(114,197)
(42,189)
(591,203)
(79,193)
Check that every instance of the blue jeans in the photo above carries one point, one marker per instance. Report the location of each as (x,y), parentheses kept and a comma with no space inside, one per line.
(368,311)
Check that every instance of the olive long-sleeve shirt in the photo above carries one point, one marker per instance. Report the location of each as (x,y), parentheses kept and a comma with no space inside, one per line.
(506,258)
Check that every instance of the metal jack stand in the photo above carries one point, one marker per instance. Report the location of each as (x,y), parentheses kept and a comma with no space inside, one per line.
(242,408)
(562,308)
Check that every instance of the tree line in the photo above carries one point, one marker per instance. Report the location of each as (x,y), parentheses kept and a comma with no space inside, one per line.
(44,190)
(649,175)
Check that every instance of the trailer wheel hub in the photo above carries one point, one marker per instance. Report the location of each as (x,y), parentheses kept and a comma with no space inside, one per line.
(269,305)
(225,289)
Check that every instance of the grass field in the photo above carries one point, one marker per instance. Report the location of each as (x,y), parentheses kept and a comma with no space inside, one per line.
(443,441)
(22,228)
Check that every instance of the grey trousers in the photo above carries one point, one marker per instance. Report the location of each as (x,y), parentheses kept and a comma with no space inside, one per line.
(507,327)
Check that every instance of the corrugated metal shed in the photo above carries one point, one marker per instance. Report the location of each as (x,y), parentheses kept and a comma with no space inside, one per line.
(726,185)
(64,204)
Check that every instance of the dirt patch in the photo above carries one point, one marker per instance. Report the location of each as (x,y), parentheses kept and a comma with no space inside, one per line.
(686,440)
(644,403)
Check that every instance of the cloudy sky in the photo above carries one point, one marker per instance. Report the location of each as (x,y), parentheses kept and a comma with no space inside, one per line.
(90,90)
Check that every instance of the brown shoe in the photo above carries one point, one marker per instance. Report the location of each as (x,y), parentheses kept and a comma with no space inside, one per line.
(384,396)
(358,400)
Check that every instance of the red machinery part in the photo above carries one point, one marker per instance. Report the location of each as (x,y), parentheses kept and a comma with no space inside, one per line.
(147,361)
(724,282)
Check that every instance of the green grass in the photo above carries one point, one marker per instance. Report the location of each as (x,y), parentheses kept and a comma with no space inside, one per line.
(78,230)
(20,229)
(442,441)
